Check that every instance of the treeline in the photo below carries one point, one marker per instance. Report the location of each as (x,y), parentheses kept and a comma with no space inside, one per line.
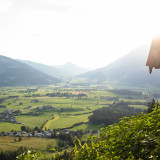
(11,155)
(9,97)
(126,92)
(113,113)
(65,94)
(126,103)
(60,94)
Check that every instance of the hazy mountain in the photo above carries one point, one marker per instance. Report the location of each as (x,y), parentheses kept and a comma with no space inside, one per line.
(15,73)
(50,70)
(130,70)
(71,69)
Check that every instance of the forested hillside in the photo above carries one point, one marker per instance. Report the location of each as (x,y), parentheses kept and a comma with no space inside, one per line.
(113,113)
(15,73)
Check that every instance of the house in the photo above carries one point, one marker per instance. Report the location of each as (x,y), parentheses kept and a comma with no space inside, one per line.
(39,135)
(48,135)
(35,100)
(11,134)
(66,131)
(4,134)
(19,134)
(29,135)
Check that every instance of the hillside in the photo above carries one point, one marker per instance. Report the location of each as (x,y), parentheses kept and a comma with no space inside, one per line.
(71,69)
(50,70)
(15,73)
(128,70)
(132,138)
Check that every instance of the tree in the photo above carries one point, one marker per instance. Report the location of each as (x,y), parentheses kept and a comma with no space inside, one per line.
(23,128)
(151,105)
(19,139)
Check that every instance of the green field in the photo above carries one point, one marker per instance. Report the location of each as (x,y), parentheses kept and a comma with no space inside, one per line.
(66,112)
(84,127)
(64,121)
(38,144)
(7,127)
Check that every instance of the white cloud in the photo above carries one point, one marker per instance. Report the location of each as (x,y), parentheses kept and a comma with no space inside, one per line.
(5,5)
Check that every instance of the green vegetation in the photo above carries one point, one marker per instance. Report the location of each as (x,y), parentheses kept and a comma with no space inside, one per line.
(65,121)
(66,106)
(38,144)
(15,73)
(131,138)
(66,111)
(7,127)
(113,113)
(84,127)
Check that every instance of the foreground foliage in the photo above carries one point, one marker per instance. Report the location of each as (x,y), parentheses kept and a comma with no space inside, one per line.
(132,138)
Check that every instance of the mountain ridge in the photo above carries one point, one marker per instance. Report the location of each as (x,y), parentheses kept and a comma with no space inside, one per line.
(15,73)
(130,70)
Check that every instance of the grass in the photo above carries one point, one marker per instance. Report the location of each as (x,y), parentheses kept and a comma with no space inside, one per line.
(38,144)
(49,123)
(34,120)
(140,107)
(87,126)
(7,127)
(65,121)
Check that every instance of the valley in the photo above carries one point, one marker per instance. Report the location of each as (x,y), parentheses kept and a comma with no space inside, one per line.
(59,109)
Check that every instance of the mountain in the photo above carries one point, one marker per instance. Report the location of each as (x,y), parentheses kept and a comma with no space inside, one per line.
(65,71)
(128,70)
(15,73)
(71,69)
(50,70)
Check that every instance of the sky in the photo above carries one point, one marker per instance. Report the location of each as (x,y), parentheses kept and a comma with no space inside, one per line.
(89,33)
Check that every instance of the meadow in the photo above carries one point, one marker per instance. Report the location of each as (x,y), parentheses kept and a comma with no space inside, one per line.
(66,111)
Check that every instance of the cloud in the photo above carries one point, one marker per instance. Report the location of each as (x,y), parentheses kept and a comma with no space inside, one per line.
(5,5)
(40,4)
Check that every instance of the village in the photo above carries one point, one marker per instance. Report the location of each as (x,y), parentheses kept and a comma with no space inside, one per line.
(9,116)
(47,133)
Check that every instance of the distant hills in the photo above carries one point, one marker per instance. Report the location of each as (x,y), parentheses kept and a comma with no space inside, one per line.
(15,73)
(50,70)
(65,71)
(71,69)
(128,70)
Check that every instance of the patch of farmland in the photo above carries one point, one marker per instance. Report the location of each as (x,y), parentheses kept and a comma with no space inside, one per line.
(65,121)
(7,127)
(34,120)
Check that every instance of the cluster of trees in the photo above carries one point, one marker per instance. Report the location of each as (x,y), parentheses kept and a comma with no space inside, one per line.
(8,155)
(2,106)
(113,113)
(60,94)
(127,92)
(66,94)
(9,97)
(2,100)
